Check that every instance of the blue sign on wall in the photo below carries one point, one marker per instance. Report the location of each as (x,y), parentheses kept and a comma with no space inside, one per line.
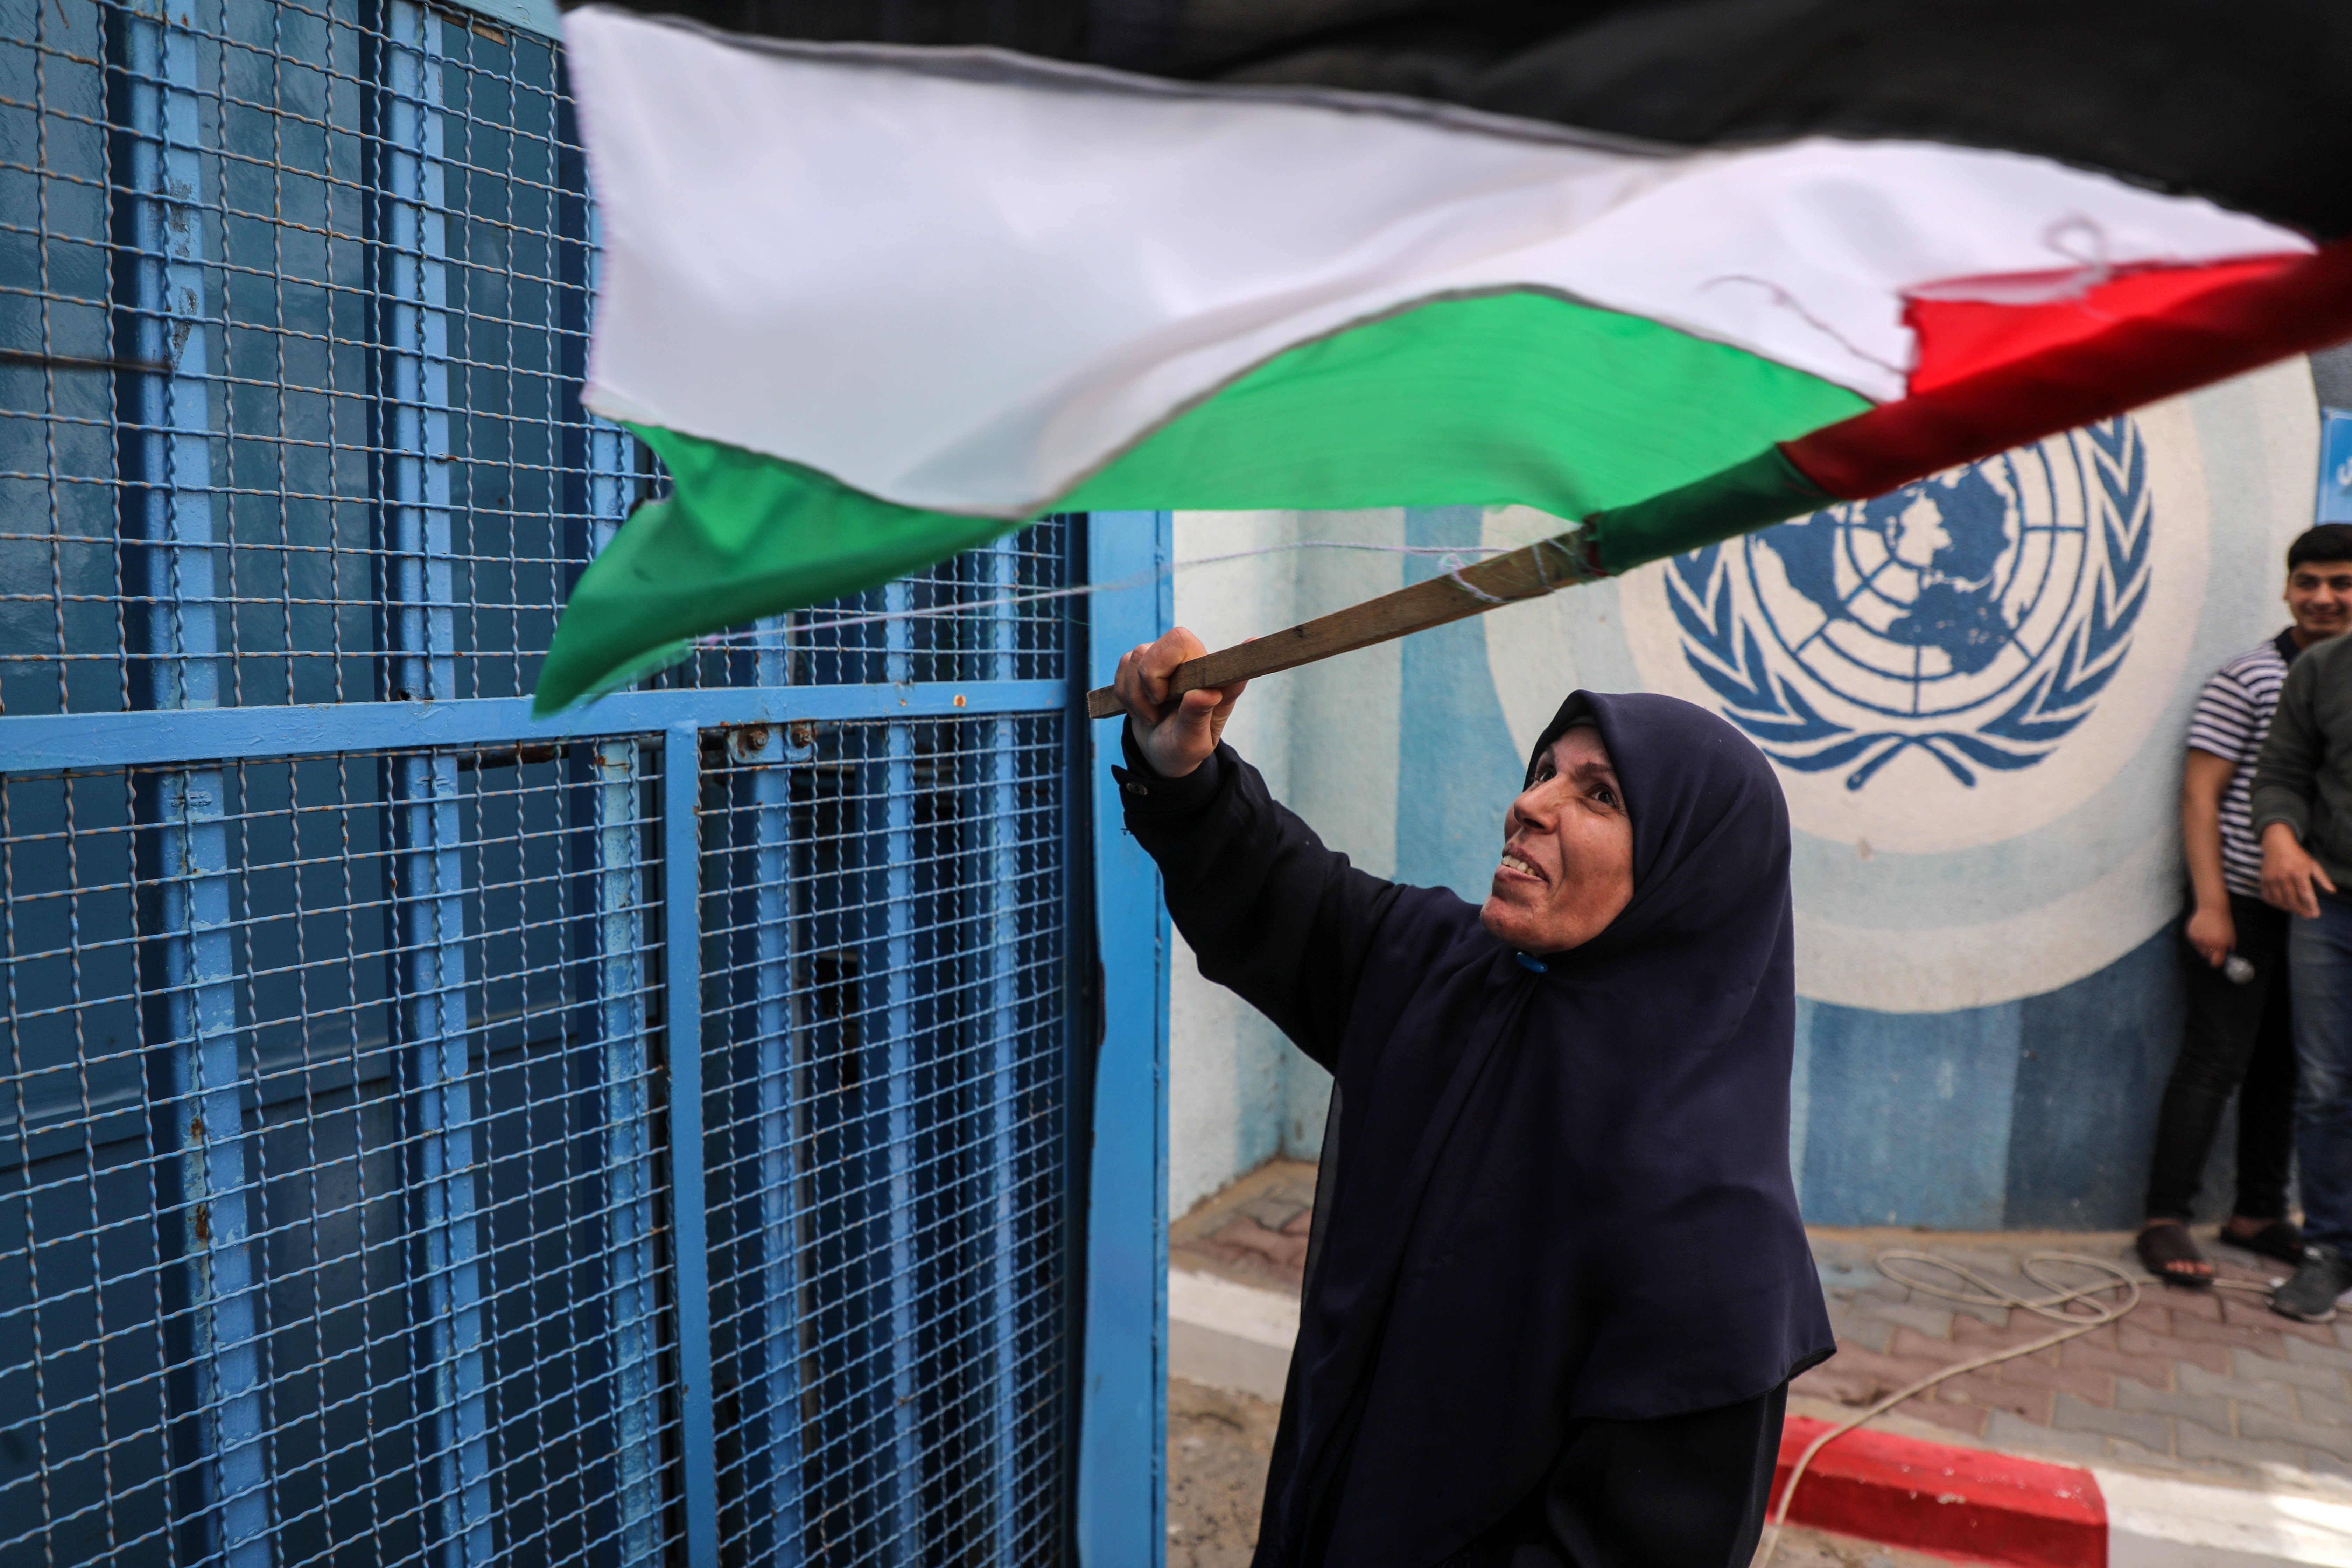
(2335,466)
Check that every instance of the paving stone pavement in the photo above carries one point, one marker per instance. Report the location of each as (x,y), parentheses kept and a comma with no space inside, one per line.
(2210,1380)
(1254,1231)
(2191,1380)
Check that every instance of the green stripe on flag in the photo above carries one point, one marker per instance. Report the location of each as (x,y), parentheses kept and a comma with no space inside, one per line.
(741,536)
(1511,398)
(1502,399)
(1740,499)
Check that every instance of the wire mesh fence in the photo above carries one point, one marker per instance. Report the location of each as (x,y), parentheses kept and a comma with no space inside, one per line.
(293,318)
(289,287)
(340,1205)
(885,938)
(326,1186)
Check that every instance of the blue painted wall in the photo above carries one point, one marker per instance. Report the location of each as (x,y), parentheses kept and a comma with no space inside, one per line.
(1457,766)
(2032,1114)
(2092,1061)
(1907,1116)
(1988,954)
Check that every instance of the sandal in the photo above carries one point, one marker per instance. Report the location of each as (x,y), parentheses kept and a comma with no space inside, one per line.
(2278,1239)
(2165,1249)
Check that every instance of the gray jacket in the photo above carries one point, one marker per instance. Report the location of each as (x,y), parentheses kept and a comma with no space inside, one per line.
(2304,776)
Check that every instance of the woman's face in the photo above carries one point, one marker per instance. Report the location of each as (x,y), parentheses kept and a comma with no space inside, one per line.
(1568,851)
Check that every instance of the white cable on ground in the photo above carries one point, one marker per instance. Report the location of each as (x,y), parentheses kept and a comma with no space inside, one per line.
(2060,1306)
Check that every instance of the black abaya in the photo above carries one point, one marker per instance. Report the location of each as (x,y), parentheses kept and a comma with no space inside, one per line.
(1560,1204)
(1674,1491)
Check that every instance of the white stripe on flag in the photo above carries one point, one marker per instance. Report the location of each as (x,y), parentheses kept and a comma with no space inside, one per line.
(968,294)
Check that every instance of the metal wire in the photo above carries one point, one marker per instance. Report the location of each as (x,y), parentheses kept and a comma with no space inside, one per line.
(369,251)
(1000,612)
(336,1192)
(246,1268)
(884,943)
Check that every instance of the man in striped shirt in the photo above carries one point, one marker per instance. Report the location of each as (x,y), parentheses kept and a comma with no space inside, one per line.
(2237,1035)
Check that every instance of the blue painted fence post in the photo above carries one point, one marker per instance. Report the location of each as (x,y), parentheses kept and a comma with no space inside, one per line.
(1001,1095)
(207,1120)
(611,451)
(1122,1465)
(633,1307)
(902,1414)
(435,983)
(779,1139)
(682,943)
(778,1023)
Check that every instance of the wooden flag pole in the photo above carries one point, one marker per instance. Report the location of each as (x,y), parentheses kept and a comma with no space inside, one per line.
(2225,331)
(1527,573)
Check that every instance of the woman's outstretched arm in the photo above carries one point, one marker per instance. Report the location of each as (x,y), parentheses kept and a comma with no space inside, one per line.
(1268,908)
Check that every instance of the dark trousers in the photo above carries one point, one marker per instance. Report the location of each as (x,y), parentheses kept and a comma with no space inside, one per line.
(2236,1037)
(2319,952)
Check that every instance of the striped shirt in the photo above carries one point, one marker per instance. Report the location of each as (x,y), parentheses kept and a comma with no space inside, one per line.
(2233,714)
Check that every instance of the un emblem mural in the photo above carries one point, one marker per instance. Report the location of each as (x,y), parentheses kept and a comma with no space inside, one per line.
(1975,691)
(1974,618)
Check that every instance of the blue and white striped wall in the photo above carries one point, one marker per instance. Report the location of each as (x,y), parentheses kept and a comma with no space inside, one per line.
(1987,889)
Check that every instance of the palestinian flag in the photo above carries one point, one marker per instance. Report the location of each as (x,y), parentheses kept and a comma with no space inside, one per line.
(883,281)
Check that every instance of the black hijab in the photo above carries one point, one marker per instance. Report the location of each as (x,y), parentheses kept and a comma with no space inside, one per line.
(1562,1188)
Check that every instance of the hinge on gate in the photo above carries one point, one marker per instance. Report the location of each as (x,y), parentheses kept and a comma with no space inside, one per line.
(750,744)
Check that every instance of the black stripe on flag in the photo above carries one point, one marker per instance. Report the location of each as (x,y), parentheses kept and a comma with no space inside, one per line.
(2248,104)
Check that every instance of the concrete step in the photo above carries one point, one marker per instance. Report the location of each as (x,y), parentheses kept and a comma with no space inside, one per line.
(2160,1523)
(1228,1335)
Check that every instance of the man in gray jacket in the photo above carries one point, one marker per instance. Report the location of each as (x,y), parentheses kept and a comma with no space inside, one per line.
(2302,815)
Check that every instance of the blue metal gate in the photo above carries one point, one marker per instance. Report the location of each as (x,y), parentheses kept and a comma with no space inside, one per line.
(428,1134)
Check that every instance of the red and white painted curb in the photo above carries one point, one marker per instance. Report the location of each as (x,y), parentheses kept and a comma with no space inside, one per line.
(1970,1505)
(1974,1505)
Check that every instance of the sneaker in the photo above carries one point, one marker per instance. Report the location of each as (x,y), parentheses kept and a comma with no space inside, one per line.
(2311,1295)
